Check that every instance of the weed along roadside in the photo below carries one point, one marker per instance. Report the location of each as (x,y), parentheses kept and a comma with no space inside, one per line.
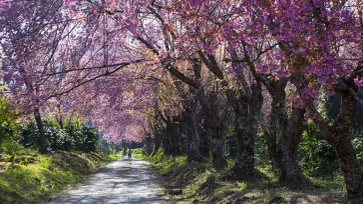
(33,178)
(201,183)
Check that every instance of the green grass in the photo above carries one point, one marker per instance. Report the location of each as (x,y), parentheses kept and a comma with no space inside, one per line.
(137,153)
(32,178)
(193,180)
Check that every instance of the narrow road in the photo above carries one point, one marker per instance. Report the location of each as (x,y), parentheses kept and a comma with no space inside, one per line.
(122,181)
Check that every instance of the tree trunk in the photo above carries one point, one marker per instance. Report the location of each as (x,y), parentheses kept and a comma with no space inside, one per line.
(283,153)
(157,143)
(157,138)
(219,157)
(273,148)
(169,142)
(272,134)
(291,173)
(124,147)
(243,168)
(215,126)
(172,138)
(166,140)
(352,172)
(203,101)
(148,145)
(175,138)
(339,136)
(43,146)
(124,151)
(60,122)
(247,117)
(191,132)
(204,141)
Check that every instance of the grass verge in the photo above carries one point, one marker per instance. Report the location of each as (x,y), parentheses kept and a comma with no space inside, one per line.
(200,183)
(31,178)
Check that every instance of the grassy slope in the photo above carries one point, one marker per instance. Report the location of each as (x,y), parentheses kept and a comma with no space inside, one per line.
(200,183)
(32,178)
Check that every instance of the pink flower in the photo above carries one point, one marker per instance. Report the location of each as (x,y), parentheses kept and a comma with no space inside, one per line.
(358,81)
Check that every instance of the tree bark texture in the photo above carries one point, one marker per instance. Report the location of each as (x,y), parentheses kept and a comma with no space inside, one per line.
(157,137)
(43,145)
(148,145)
(216,130)
(170,139)
(272,136)
(339,136)
(291,174)
(247,116)
(284,135)
(191,132)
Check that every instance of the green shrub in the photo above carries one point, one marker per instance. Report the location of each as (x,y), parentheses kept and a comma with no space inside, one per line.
(316,155)
(73,137)
(8,124)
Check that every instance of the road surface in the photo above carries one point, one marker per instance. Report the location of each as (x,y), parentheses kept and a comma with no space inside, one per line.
(123,181)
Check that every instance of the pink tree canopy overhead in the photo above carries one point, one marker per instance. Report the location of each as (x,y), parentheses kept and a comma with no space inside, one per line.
(100,38)
(123,104)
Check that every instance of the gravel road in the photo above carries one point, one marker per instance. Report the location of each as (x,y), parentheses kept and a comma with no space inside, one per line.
(123,181)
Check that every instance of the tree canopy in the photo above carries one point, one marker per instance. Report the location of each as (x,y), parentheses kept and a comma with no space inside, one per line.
(191,71)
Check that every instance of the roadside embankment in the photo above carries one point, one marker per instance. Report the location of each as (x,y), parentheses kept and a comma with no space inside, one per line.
(201,183)
(33,178)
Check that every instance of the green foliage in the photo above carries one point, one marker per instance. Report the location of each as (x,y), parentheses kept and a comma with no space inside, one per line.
(73,137)
(261,153)
(138,153)
(316,155)
(162,162)
(90,139)
(74,131)
(85,138)
(103,146)
(357,143)
(8,124)
(11,147)
(58,138)
(29,135)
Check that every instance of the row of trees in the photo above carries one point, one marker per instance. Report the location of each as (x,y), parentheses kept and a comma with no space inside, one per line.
(189,72)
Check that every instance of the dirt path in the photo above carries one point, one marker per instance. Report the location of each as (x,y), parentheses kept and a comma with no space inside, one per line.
(122,181)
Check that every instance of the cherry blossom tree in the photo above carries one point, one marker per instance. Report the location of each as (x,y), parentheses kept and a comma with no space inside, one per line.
(117,55)
(328,61)
(29,38)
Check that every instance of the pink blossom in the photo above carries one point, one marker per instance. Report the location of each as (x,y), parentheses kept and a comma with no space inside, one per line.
(358,81)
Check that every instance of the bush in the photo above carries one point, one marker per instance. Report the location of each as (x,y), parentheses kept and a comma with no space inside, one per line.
(59,139)
(316,155)
(8,123)
(73,137)
(90,139)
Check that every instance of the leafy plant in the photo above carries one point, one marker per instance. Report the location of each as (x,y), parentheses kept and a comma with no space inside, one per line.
(316,155)
(8,124)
